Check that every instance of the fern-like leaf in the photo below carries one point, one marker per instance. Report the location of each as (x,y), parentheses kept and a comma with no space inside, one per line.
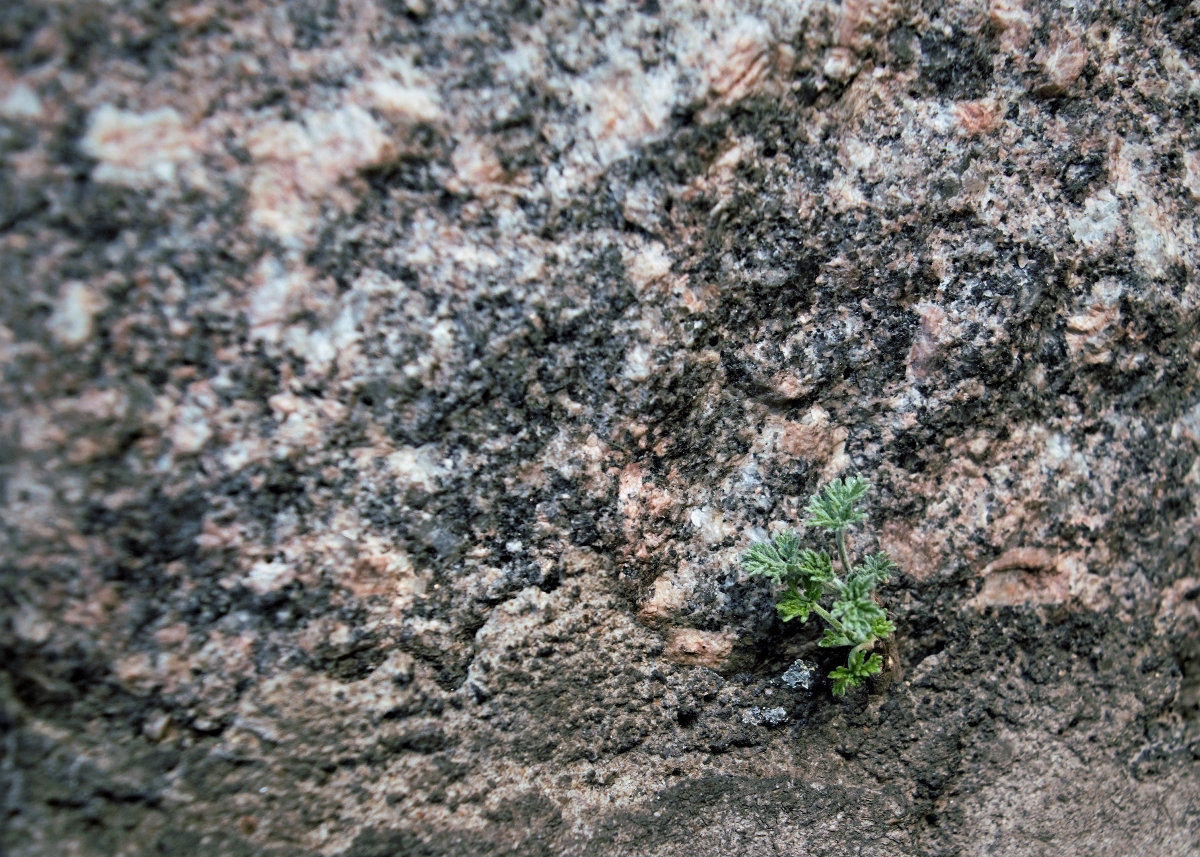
(858,616)
(815,565)
(794,605)
(876,569)
(764,560)
(858,667)
(883,628)
(833,508)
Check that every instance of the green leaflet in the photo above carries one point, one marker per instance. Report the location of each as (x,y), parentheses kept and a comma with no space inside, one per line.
(764,559)
(785,563)
(858,618)
(788,545)
(855,670)
(883,628)
(878,568)
(834,507)
(793,605)
(833,640)
(857,588)
(816,565)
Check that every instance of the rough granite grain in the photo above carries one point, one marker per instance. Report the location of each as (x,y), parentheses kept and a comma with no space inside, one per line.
(391,386)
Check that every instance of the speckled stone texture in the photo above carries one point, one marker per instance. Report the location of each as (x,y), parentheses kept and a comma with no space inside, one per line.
(390,388)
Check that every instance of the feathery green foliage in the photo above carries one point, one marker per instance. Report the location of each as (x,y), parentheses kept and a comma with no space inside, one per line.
(807,576)
(856,669)
(833,508)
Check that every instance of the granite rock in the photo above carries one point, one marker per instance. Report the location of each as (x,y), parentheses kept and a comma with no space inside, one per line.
(391,386)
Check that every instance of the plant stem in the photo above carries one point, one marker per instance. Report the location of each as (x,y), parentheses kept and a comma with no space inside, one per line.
(840,535)
(830,618)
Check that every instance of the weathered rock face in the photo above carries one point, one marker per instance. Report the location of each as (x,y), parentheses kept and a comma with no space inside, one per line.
(391,388)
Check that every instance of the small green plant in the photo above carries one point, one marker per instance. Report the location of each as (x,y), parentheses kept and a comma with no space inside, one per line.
(807,577)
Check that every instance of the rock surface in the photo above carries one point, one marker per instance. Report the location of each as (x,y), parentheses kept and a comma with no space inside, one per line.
(391,386)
